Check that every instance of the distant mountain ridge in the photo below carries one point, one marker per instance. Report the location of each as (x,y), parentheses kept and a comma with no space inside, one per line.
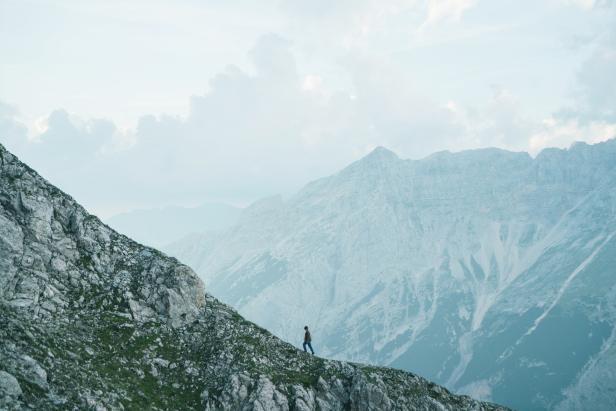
(490,271)
(158,227)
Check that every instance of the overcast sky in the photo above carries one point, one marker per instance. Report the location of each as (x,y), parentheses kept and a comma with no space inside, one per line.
(144,103)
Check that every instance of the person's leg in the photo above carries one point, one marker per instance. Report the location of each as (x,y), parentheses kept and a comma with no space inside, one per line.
(305,346)
(311,350)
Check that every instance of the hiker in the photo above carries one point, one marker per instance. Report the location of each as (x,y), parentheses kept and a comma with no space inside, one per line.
(307,340)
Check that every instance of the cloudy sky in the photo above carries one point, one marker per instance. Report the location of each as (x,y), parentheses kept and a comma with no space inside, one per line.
(146,103)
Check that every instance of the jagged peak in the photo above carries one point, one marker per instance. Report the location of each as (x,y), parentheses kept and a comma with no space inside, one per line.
(378,159)
(605,148)
(381,153)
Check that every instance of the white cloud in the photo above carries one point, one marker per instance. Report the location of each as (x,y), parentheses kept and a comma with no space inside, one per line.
(13,133)
(584,4)
(313,83)
(439,10)
(500,122)
(345,76)
(588,4)
(40,126)
(593,96)
(271,129)
(595,90)
(250,135)
(562,133)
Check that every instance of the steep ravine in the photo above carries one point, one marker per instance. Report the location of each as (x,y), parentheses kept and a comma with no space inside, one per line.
(92,320)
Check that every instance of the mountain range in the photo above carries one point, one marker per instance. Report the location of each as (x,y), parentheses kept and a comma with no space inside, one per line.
(491,272)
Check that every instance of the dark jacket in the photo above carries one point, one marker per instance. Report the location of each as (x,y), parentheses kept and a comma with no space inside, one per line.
(307,337)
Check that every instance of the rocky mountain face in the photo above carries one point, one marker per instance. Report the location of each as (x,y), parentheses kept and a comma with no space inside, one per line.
(491,272)
(90,319)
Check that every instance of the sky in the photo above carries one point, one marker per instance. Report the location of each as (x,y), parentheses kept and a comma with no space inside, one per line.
(147,103)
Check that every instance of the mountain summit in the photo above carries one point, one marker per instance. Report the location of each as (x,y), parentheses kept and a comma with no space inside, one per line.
(380,154)
(89,319)
(487,270)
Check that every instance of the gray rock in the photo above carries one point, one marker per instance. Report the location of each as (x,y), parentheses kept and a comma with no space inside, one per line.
(33,372)
(160,362)
(366,395)
(10,391)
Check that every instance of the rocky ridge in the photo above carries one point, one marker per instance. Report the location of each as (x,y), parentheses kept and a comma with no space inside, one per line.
(92,320)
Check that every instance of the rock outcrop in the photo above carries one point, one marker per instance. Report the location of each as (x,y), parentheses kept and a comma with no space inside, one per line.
(92,320)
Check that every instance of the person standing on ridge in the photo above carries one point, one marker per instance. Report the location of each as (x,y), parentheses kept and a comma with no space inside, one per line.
(308,340)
